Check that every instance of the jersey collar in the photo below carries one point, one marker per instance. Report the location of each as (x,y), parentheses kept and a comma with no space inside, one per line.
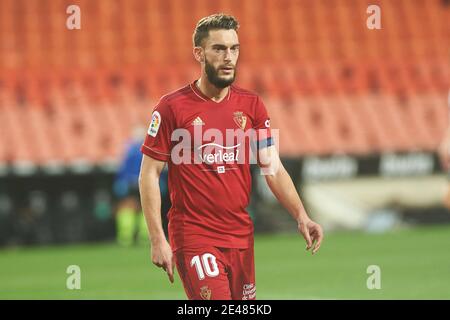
(202,96)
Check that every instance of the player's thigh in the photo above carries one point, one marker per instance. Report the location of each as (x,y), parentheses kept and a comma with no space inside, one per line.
(203,273)
(242,274)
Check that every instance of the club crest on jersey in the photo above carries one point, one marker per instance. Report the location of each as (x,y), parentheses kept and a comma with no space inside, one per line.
(240,119)
(154,125)
(205,293)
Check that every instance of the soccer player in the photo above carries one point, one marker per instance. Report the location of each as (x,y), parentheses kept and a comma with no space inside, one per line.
(210,231)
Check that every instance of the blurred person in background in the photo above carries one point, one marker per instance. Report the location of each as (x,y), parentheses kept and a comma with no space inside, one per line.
(130,222)
(444,154)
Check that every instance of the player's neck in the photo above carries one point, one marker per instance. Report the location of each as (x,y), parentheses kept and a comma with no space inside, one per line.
(211,91)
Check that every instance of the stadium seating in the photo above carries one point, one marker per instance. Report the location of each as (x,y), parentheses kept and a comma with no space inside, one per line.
(331,85)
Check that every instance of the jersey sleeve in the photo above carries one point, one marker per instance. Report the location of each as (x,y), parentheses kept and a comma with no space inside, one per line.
(157,143)
(262,126)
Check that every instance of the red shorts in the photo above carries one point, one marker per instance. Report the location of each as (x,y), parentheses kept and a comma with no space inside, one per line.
(212,273)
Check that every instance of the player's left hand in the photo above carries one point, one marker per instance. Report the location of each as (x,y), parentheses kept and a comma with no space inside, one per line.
(313,234)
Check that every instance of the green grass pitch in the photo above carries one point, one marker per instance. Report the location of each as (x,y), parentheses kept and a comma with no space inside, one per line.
(415,264)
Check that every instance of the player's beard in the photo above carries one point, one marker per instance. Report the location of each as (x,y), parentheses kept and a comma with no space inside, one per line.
(213,76)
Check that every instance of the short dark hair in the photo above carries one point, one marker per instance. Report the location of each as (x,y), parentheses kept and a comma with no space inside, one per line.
(213,22)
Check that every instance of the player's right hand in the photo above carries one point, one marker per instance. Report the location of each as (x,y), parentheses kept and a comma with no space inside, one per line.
(162,257)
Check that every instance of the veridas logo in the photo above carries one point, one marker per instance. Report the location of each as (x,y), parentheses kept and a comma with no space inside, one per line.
(220,151)
(211,146)
(216,153)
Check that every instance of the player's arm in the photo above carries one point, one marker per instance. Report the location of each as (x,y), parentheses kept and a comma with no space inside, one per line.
(151,205)
(284,190)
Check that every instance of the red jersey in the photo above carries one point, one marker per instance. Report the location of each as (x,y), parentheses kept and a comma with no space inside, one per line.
(209,169)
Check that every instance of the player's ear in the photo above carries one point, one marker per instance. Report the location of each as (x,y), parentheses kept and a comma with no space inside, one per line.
(199,55)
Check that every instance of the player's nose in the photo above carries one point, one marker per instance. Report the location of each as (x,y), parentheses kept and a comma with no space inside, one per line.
(227,56)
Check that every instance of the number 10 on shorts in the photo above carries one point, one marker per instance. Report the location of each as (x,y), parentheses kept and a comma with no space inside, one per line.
(205,263)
